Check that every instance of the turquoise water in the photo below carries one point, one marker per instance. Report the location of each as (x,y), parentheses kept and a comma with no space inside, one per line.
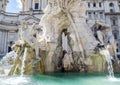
(61,79)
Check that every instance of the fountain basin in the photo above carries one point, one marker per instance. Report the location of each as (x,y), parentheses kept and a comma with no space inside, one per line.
(61,79)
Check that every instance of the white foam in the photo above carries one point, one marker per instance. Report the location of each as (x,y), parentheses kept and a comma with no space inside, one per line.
(14,81)
(113,79)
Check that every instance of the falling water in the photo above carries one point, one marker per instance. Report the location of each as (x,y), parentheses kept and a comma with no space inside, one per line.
(23,62)
(109,62)
(65,44)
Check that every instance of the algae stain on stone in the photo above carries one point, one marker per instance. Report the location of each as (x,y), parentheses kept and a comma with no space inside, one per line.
(98,62)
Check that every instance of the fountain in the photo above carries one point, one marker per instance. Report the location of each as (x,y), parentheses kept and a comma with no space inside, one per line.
(64,45)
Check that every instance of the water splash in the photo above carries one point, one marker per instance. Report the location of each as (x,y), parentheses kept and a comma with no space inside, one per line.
(7,61)
(113,79)
(8,57)
(23,62)
(14,80)
(108,58)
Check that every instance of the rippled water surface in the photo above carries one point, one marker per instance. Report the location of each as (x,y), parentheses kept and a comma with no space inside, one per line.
(61,79)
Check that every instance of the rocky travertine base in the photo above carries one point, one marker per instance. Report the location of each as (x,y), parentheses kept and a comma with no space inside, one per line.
(32,65)
(116,66)
(57,61)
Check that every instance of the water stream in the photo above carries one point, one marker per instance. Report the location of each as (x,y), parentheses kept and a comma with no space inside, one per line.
(108,58)
(23,62)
